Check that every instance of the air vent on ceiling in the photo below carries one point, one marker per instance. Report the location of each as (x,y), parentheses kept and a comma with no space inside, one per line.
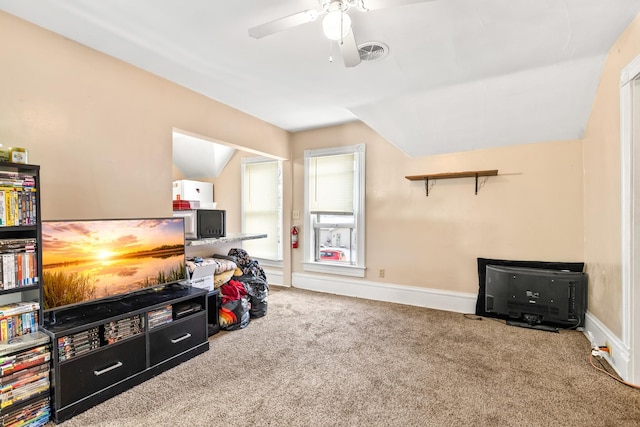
(372,51)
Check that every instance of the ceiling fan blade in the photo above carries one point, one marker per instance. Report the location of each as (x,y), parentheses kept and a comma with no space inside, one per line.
(383,4)
(285,23)
(349,50)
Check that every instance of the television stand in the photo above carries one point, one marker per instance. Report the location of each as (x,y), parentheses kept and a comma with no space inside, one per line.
(528,325)
(102,349)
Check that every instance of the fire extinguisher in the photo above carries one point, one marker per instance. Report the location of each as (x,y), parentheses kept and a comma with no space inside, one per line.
(294,237)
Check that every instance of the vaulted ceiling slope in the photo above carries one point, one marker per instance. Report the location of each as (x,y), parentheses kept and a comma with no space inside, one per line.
(459,75)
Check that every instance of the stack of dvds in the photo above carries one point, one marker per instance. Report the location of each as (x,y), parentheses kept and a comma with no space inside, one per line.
(24,375)
(17,319)
(18,200)
(24,359)
(36,413)
(160,317)
(18,266)
(123,328)
(79,343)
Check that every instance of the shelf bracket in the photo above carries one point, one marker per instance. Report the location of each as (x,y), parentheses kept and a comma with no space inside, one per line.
(476,184)
(428,184)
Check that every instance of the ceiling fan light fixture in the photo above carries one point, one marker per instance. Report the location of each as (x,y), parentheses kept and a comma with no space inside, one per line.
(336,25)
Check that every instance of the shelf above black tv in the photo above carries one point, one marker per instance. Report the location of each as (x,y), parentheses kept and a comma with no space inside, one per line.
(230,237)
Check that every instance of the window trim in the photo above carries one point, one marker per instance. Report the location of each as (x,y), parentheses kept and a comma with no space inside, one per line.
(309,264)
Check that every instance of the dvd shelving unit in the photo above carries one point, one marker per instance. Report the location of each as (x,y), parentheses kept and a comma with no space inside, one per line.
(25,351)
(104,348)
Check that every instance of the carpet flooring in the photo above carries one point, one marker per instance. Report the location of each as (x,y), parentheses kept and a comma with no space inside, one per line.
(325,360)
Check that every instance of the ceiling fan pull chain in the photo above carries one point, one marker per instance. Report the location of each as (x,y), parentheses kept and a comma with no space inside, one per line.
(342,27)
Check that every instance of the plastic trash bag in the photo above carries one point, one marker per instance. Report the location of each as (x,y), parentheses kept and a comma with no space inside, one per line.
(258,290)
(234,314)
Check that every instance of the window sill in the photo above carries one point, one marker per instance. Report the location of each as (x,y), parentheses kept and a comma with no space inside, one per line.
(342,270)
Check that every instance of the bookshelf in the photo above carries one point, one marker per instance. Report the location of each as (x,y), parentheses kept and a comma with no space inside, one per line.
(25,351)
(20,232)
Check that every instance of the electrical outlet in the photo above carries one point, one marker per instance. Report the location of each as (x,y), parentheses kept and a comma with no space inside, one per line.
(295,214)
(609,349)
(381,272)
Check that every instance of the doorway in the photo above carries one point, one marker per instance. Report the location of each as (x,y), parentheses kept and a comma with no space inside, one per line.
(630,207)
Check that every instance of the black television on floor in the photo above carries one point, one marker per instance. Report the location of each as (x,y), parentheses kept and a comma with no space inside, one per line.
(536,298)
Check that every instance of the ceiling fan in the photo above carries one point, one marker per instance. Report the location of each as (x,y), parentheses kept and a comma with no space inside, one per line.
(336,24)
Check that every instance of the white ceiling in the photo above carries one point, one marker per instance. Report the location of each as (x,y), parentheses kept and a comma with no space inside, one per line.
(460,74)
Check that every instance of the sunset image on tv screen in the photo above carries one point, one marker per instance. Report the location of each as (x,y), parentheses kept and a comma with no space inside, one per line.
(87,260)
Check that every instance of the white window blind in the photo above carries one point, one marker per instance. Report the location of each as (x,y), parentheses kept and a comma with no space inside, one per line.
(334,219)
(331,183)
(262,206)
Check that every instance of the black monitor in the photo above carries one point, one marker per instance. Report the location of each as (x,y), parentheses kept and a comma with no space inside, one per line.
(536,298)
(212,223)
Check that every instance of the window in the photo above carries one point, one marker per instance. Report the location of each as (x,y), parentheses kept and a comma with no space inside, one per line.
(334,210)
(262,206)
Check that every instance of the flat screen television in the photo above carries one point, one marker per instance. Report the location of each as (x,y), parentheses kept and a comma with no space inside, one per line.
(536,298)
(91,260)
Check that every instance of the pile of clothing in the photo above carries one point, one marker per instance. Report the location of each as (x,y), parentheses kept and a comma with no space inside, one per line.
(244,296)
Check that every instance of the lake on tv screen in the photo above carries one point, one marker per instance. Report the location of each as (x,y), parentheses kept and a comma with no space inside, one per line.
(125,275)
(87,260)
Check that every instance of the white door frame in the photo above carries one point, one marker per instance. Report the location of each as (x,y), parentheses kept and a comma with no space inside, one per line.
(630,205)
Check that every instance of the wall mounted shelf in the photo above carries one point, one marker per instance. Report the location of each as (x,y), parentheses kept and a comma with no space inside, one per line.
(449,175)
(230,237)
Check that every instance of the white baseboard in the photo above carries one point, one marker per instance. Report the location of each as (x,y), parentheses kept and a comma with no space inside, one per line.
(274,277)
(459,302)
(620,355)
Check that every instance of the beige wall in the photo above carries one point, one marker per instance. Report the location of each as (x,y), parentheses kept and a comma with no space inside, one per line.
(102,129)
(602,185)
(228,192)
(531,211)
